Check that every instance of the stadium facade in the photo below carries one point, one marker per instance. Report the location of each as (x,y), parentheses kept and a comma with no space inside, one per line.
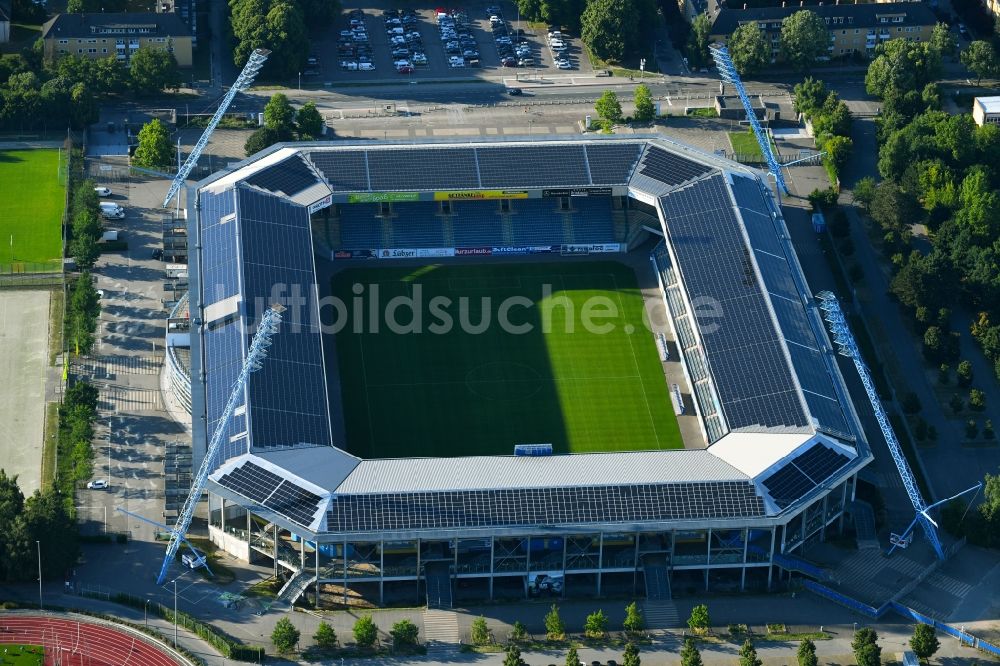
(781,444)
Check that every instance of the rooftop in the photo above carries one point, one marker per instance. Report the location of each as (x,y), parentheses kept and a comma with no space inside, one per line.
(138,24)
(861,15)
(989,104)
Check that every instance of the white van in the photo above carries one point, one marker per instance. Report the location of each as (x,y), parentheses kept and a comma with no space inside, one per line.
(112,211)
(193,560)
(176,270)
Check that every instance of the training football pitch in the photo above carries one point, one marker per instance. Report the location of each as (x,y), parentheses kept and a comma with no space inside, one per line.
(32,195)
(22,655)
(535,353)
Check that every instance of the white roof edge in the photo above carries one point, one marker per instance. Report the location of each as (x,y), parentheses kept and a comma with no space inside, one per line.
(754,452)
(244,172)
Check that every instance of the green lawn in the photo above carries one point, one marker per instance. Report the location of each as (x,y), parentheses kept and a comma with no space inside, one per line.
(457,392)
(32,196)
(746,147)
(22,655)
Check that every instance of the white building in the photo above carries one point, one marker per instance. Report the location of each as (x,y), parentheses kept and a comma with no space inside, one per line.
(986,110)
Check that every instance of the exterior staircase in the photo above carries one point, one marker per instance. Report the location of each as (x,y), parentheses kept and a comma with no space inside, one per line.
(293,589)
(660,615)
(437,576)
(654,568)
(441,632)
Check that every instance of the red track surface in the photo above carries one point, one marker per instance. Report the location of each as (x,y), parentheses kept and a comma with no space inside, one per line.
(82,643)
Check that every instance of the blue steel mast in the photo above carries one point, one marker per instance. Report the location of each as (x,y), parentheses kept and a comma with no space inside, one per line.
(728,73)
(255,358)
(243,82)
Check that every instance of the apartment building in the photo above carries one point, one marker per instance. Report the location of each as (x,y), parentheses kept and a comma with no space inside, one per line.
(119,35)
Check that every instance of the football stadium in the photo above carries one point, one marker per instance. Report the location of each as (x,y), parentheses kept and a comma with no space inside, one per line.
(508,368)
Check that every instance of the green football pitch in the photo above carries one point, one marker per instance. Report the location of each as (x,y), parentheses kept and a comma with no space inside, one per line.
(565,359)
(21,655)
(32,195)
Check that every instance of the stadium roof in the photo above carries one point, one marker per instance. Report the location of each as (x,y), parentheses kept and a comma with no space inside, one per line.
(766,378)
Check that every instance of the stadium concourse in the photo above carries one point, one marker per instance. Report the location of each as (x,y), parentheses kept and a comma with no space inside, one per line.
(309,475)
(83,642)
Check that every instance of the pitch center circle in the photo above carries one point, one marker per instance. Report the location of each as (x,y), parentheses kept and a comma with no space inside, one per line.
(505,381)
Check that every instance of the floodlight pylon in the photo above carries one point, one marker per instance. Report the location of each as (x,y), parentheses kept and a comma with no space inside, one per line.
(258,351)
(848,347)
(243,82)
(729,74)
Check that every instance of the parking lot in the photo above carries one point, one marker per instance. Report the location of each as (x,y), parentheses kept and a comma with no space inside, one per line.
(475,39)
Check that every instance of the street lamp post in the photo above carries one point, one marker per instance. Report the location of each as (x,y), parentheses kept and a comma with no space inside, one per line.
(39,545)
(145,617)
(175,613)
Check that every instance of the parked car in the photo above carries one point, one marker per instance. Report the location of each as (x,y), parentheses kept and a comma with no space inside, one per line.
(419,58)
(98,484)
(514,92)
(366,67)
(103,191)
(405,69)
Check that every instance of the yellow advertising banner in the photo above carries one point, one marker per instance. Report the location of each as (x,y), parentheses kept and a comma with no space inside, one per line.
(480,194)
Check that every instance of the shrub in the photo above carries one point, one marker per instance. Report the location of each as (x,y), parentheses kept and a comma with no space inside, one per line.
(285,636)
(519,632)
(554,627)
(807,653)
(325,637)
(748,654)
(633,618)
(365,631)
(481,632)
(977,400)
(699,619)
(572,658)
(631,656)
(596,624)
(964,373)
(911,403)
(971,429)
(404,634)
(988,432)
(513,657)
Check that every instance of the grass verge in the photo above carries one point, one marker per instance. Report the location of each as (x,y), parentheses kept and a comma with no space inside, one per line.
(56,329)
(50,439)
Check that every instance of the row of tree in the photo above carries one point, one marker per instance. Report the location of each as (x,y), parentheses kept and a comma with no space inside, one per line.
(283,123)
(281,27)
(940,170)
(45,517)
(831,122)
(66,92)
(77,414)
(86,226)
(285,636)
(804,42)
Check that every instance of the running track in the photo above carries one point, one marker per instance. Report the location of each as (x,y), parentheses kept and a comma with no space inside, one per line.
(83,643)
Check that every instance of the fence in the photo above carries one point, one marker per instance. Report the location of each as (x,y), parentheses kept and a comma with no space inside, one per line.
(45,277)
(226,645)
(905,611)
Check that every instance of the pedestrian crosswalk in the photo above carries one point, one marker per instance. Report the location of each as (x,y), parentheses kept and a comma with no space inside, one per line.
(125,399)
(112,366)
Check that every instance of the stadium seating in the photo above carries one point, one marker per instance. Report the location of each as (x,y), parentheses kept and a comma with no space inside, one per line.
(359,228)
(478,223)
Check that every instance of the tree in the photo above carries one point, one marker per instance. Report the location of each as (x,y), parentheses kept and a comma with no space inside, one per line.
(869,655)
(513,657)
(325,637)
(697,46)
(481,632)
(596,624)
(633,618)
(690,656)
(279,114)
(749,48)
(309,122)
(804,39)
(154,150)
(153,70)
(964,373)
(864,192)
(365,631)
(260,139)
(748,654)
(608,106)
(85,251)
(981,59)
(924,642)
(572,658)
(956,403)
(864,636)
(942,40)
(606,26)
(285,636)
(644,107)
(977,400)
(838,151)
(808,97)
(518,632)
(699,619)
(631,656)
(554,627)
(404,634)
(807,653)
(285,33)
(911,403)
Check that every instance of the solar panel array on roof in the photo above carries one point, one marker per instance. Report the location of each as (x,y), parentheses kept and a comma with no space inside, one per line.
(543,506)
(422,169)
(252,481)
(288,177)
(550,165)
(288,402)
(344,170)
(612,163)
(219,255)
(750,372)
(294,502)
(224,346)
(809,469)
(811,368)
(670,168)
